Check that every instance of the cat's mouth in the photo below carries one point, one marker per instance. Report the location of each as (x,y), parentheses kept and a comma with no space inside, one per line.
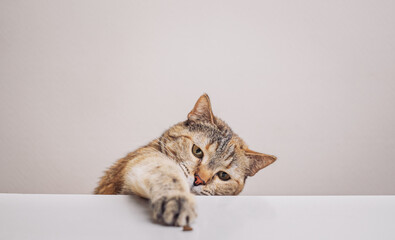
(190,181)
(196,190)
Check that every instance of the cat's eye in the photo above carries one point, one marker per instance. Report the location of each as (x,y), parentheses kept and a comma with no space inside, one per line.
(197,151)
(223,176)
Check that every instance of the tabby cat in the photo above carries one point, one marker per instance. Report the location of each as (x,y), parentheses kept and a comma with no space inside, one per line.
(201,156)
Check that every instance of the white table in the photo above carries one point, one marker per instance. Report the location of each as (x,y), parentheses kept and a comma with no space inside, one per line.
(29,216)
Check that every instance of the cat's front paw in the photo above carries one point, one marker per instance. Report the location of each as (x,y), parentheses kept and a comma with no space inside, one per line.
(175,209)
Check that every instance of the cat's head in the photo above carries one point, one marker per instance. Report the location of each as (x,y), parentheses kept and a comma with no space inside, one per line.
(214,159)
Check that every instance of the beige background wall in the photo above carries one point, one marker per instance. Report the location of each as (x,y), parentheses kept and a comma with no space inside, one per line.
(84,82)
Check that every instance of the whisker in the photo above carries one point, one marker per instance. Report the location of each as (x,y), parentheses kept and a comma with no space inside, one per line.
(183,164)
(205,192)
(183,170)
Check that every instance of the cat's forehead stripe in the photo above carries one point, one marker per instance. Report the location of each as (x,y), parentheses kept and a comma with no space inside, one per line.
(223,157)
(211,131)
(230,153)
(223,142)
(209,145)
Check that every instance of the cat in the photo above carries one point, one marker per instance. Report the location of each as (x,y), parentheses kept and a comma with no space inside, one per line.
(201,156)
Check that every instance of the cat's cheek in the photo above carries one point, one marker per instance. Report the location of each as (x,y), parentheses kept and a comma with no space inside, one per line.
(190,181)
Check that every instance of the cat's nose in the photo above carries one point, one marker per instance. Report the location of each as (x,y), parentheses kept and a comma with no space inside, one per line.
(198,181)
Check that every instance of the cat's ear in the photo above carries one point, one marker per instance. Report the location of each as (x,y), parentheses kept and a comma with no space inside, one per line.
(257,161)
(202,110)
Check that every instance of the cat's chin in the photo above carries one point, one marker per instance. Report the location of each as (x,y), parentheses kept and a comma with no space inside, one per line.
(197,190)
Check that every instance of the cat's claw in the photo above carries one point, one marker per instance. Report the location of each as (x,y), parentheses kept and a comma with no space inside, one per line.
(175,210)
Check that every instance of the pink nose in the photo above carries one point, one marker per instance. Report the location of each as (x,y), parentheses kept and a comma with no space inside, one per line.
(198,181)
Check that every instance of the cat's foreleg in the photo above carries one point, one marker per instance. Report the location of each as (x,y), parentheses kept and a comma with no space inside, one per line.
(162,181)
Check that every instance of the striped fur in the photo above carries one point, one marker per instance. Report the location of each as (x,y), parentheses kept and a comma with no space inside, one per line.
(164,170)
